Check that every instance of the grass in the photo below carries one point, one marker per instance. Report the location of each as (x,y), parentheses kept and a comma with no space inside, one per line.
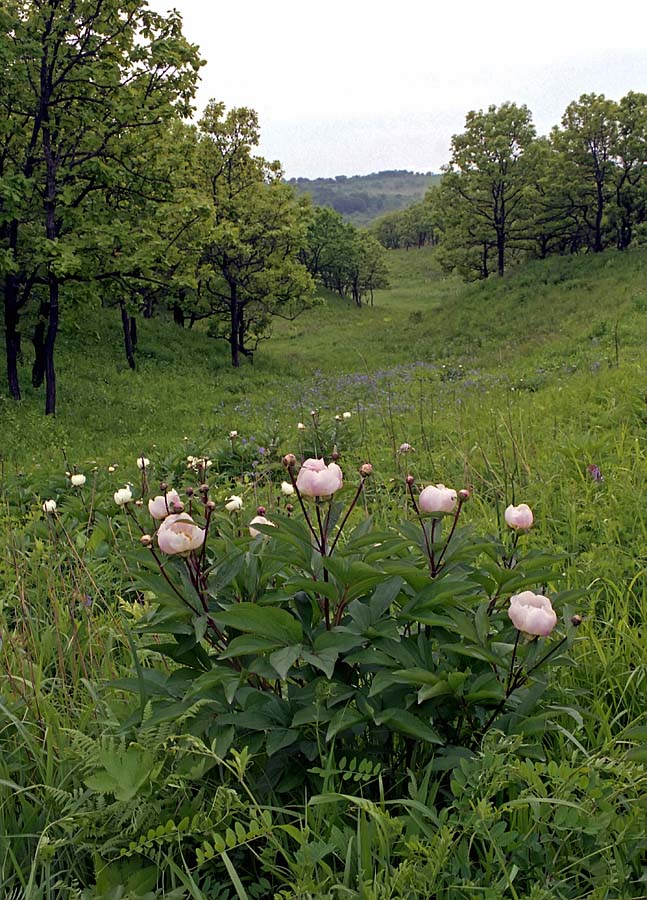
(515,387)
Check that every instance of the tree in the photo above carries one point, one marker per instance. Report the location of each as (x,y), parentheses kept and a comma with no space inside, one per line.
(487,177)
(249,268)
(588,139)
(91,80)
(630,152)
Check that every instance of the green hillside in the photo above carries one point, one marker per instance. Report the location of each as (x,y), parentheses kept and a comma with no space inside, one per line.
(558,325)
(363,198)
(230,721)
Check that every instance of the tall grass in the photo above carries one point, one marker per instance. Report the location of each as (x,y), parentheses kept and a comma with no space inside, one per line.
(513,387)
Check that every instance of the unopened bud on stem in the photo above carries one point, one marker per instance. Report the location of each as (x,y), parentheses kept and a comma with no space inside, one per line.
(365,470)
(410,480)
(146,540)
(464,495)
(289,460)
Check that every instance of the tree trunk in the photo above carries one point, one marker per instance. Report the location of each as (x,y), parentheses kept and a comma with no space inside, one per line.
(12,335)
(133,332)
(128,344)
(597,235)
(178,315)
(50,341)
(234,323)
(38,340)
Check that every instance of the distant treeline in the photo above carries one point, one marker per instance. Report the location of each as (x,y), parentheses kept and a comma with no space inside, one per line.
(362,198)
(507,195)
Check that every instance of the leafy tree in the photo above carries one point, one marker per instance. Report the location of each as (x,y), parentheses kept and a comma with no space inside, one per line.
(588,138)
(249,268)
(487,177)
(90,82)
(551,220)
(631,161)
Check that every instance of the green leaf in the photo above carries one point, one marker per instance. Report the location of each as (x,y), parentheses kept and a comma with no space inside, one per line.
(269,622)
(280,738)
(348,717)
(124,772)
(282,660)
(323,659)
(406,723)
(249,643)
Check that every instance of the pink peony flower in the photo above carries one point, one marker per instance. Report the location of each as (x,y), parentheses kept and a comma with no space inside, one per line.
(316,479)
(532,613)
(160,507)
(436,498)
(179,534)
(519,516)
(258,520)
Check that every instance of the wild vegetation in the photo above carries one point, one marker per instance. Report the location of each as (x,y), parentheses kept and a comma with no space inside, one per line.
(111,197)
(362,619)
(507,195)
(352,735)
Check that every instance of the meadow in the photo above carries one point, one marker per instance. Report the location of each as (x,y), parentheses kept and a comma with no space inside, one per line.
(135,764)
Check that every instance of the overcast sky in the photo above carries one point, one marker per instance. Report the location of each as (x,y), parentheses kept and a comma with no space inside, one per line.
(346,87)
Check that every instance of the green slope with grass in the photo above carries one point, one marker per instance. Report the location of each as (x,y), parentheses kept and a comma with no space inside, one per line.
(531,388)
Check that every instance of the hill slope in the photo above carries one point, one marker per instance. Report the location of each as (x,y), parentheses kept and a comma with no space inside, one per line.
(545,333)
(363,198)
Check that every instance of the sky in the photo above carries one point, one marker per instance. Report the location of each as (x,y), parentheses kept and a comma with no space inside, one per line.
(349,87)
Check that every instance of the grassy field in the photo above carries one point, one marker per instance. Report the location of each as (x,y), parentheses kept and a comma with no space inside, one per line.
(530,388)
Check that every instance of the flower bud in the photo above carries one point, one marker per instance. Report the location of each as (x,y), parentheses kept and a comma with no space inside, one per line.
(436,498)
(533,614)
(289,460)
(335,455)
(123,495)
(289,508)
(189,492)
(210,505)
(204,488)
(576,621)
(410,480)
(146,540)
(365,470)
(519,517)
(163,486)
(464,495)
(260,511)
(111,469)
